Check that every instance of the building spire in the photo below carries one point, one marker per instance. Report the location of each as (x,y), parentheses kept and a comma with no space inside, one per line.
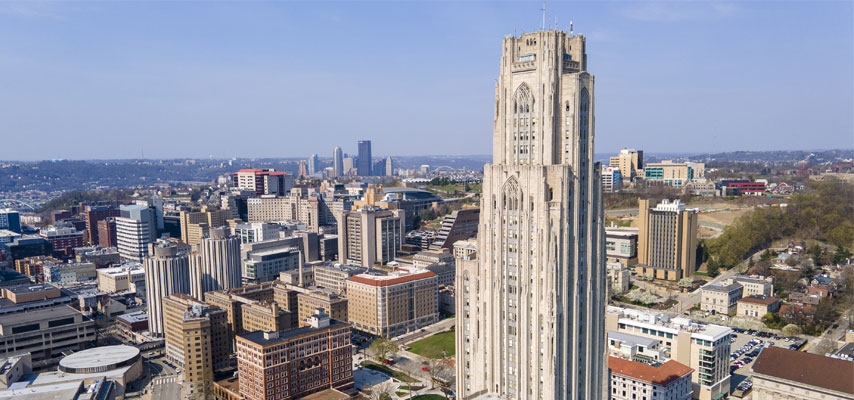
(544,16)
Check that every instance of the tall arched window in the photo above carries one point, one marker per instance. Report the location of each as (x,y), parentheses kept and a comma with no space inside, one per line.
(524,143)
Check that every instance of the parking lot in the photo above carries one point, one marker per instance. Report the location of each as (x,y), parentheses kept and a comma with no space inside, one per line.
(744,351)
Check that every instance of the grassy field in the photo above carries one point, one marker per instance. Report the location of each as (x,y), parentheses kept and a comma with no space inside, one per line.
(429,397)
(388,371)
(432,346)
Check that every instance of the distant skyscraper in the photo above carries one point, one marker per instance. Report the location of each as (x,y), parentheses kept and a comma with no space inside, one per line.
(364,167)
(378,168)
(303,168)
(389,166)
(337,162)
(531,304)
(348,164)
(313,164)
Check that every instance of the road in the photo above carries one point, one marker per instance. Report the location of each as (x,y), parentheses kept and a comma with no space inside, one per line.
(440,326)
(167,391)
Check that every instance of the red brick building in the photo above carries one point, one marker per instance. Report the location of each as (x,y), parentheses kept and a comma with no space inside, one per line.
(93,216)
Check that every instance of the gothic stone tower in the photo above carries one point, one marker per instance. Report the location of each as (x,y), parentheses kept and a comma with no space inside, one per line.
(531,303)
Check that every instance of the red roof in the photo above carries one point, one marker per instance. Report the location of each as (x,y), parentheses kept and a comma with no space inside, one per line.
(809,369)
(662,374)
(367,280)
(250,170)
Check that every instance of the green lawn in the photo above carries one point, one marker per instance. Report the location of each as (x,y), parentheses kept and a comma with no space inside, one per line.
(432,346)
(429,397)
(388,371)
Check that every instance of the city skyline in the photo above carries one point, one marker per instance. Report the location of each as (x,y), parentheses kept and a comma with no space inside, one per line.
(718,76)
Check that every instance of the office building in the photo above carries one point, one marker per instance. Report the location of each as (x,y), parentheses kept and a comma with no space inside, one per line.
(10,220)
(753,285)
(365,163)
(313,164)
(265,265)
(630,164)
(674,174)
(530,311)
(295,363)
(217,262)
(369,236)
(636,348)
(309,301)
(93,216)
(394,304)
(705,348)
(266,316)
(612,180)
(621,245)
(107,235)
(719,297)
(45,333)
(63,239)
(167,272)
(126,277)
(232,301)
(101,257)
(632,380)
(781,374)
(196,336)
(756,306)
(349,165)
(667,240)
(459,225)
(197,224)
(337,162)
(257,231)
(334,276)
(34,266)
(263,181)
(27,246)
(68,273)
(389,166)
(7,236)
(135,229)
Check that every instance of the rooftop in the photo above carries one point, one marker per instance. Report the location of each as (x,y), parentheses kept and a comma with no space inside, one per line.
(809,369)
(646,318)
(718,287)
(104,356)
(757,299)
(629,338)
(661,374)
(137,316)
(39,315)
(283,336)
(30,288)
(393,278)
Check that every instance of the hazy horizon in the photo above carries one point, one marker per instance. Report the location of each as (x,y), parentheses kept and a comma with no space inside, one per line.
(103,80)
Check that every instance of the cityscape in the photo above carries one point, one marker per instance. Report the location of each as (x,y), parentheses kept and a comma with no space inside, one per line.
(550,267)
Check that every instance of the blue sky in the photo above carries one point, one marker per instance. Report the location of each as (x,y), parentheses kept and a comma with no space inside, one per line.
(101,79)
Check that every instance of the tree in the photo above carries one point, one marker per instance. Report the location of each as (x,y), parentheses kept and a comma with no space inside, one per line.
(686,283)
(713,267)
(382,391)
(840,255)
(791,330)
(440,372)
(381,348)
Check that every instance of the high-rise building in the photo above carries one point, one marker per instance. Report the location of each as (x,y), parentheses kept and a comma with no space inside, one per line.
(370,235)
(94,215)
(266,293)
(459,225)
(196,336)
(107,233)
(348,164)
(612,179)
(667,240)
(10,220)
(393,304)
(530,309)
(217,262)
(365,163)
(389,166)
(378,167)
(264,181)
(167,272)
(337,162)
(629,162)
(132,238)
(313,164)
(63,239)
(197,224)
(295,363)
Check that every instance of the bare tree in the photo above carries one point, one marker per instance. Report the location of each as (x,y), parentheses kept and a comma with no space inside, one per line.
(382,391)
(382,348)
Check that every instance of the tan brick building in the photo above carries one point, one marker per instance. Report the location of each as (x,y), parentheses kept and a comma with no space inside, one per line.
(757,306)
(265,316)
(393,304)
(667,240)
(331,304)
(196,339)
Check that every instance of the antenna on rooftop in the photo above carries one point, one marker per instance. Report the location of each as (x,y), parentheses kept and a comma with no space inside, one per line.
(544,16)
(570,27)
